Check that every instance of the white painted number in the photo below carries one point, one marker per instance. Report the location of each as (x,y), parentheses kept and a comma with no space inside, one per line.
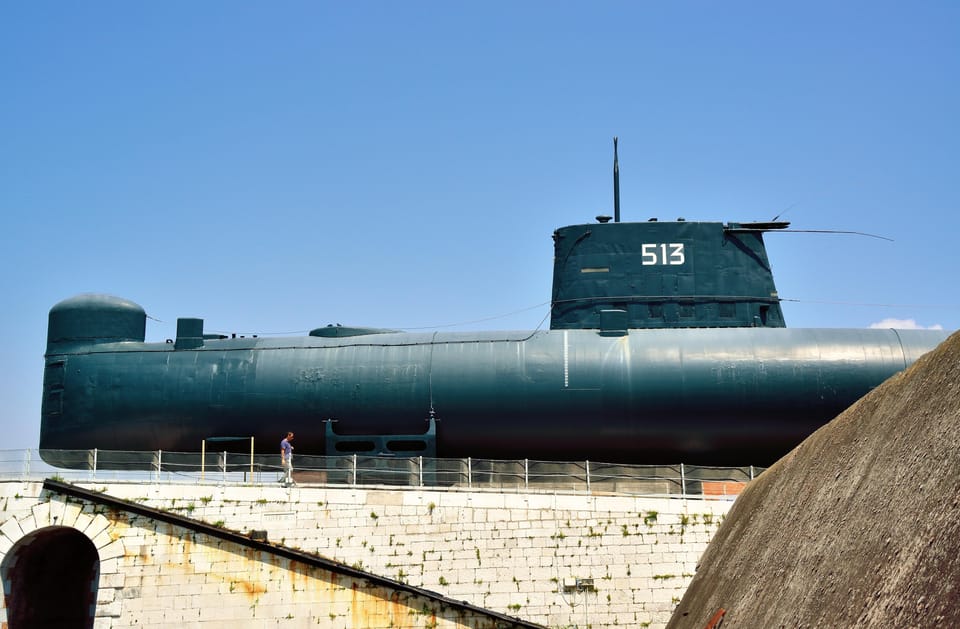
(676,254)
(662,253)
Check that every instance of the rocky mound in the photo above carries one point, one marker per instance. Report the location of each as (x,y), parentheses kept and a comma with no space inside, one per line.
(859,526)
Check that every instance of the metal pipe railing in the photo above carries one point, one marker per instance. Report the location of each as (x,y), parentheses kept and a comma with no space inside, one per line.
(353,469)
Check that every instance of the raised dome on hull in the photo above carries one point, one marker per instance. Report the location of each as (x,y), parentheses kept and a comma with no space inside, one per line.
(96,318)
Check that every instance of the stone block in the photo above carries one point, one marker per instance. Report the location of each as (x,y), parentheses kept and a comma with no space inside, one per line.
(27,522)
(110,556)
(110,610)
(82,521)
(56,505)
(106,595)
(41,514)
(11,529)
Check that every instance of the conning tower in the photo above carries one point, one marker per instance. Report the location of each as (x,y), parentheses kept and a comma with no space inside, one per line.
(618,276)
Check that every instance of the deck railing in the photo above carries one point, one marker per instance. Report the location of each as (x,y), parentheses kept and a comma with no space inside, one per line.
(355,470)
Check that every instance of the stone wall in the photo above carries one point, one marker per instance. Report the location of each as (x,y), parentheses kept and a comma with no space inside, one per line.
(529,555)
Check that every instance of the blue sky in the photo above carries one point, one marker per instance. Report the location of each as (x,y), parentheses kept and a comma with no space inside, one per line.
(274,167)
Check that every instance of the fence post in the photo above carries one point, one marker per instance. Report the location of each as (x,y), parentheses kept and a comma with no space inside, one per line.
(683,482)
(94,475)
(26,464)
(526,473)
(469,472)
(158,464)
(223,465)
(354,469)
(420,468)
(588,486)
(751,472)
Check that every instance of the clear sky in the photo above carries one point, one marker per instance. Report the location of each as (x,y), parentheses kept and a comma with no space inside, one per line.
(274,167)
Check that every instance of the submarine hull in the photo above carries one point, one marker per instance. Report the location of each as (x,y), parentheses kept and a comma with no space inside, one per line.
(736,396)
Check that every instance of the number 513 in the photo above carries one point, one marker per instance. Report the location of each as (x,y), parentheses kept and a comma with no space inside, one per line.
(670,254)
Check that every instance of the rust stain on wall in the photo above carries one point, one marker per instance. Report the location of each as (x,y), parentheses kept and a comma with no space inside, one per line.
(354,607)
(251,588)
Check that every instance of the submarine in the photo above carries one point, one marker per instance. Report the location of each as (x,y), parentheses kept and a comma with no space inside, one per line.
(666,344)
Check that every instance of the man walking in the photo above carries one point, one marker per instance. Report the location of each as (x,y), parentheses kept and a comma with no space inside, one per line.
(286,459)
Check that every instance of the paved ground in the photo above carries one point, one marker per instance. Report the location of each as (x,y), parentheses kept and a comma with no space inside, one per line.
(859,526)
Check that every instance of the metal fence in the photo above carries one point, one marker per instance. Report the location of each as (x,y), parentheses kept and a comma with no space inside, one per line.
(354,470)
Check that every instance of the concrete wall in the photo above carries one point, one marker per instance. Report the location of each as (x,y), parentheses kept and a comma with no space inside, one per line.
(510,552)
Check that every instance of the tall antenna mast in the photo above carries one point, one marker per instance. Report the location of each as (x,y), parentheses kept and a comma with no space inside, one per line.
(616,183)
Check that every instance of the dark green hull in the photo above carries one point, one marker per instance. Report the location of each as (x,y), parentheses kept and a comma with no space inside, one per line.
(712,396)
